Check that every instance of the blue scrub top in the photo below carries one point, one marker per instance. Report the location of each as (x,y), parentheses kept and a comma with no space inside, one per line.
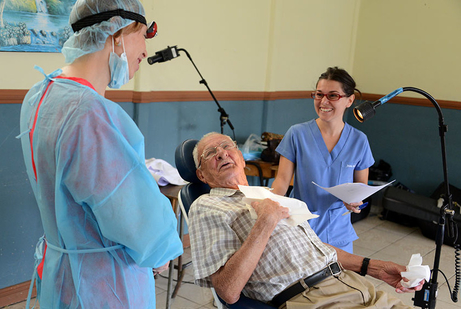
(94,192)
(304,146)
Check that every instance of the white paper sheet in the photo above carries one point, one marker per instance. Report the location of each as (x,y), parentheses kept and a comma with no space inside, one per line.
(298,209)
(353,192)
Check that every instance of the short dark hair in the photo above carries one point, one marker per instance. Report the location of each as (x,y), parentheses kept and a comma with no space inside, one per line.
(341,76)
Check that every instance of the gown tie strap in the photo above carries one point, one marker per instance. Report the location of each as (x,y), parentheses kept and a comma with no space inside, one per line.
(48,77)
(82,251)
(66,251)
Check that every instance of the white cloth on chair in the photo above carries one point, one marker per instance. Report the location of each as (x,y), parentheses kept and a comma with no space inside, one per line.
(164,173)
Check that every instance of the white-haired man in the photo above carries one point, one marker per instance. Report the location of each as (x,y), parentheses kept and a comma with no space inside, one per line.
(275,263)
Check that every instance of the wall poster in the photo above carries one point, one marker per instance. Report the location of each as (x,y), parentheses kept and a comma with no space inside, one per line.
(34,25)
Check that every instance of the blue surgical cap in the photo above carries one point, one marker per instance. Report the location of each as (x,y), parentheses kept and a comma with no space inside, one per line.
(93,21)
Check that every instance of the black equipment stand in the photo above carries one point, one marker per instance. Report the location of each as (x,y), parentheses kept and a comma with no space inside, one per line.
(224,117)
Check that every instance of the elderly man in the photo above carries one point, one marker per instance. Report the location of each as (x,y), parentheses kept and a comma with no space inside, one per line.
(276,263)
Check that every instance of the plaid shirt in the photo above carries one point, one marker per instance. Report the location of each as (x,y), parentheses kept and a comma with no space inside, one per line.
(219,224)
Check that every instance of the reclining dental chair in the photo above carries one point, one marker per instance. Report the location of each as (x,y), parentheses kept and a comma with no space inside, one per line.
(186,168)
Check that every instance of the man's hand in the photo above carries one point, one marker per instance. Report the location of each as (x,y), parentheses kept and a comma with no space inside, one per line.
(268,209)
(230,279)
(390,273)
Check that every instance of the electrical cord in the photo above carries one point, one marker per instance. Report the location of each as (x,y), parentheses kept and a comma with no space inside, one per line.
(354,288)
(457,247)
(454,295)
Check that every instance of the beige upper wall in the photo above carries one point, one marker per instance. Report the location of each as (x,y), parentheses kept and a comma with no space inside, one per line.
(227,40)
(308,37)
(409,43)
(239,45)
(17,69)
(256,45)
(277,45)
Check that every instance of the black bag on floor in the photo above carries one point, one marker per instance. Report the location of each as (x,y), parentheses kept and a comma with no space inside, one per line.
(382,171)
(398,205)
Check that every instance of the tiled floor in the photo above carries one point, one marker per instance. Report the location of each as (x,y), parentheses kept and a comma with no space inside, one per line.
(378,239)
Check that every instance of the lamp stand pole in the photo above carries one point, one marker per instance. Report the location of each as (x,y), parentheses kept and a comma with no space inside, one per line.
(224,117)
(426,297)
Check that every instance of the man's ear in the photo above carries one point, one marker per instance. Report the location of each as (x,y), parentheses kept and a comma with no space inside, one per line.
(200,175)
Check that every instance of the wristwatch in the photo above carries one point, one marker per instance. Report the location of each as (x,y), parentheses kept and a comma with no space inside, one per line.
(364,269)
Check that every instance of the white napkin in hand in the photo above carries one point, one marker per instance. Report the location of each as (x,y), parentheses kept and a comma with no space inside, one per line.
(415,272)
(297,209)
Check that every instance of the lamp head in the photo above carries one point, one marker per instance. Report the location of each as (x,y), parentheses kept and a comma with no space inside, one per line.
(366,110)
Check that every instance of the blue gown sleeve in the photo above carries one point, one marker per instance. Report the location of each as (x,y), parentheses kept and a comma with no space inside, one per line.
(100,155)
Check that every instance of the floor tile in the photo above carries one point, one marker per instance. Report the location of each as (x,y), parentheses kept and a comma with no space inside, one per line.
(176,303)
(402,249)
(376,239)
(371,222)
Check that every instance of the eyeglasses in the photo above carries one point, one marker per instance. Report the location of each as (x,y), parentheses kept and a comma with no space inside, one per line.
(151,30)
(211,152)
(332,96)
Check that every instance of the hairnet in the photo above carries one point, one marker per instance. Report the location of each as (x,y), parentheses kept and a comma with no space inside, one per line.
(93,36)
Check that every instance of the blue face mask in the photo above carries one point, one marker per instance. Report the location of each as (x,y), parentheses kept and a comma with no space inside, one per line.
(119,70)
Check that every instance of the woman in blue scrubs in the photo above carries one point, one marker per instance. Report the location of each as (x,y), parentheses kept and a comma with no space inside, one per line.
(329,152)
(106,223)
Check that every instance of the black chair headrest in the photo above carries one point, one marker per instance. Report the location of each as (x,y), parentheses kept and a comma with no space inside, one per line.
(185,161)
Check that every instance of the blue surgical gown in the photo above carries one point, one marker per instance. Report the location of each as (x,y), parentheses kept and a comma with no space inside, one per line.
(304,146)
(94,192)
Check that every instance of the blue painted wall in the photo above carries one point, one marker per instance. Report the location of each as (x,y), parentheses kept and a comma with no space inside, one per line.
(20,225)
(407,137)
(166,125)
(404,136)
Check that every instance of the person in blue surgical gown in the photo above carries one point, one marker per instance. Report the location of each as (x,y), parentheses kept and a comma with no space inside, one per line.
(106,224)
(329,152)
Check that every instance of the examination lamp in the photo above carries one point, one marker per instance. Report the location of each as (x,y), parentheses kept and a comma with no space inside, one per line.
(427,296)
(367,109)
(172,52)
